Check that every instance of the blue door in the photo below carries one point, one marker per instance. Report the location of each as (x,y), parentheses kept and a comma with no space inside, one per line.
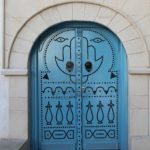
(79,89)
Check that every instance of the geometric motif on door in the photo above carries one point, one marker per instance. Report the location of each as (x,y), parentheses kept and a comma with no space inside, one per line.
(59,134)
(55,123)
(102,114)
(98,134)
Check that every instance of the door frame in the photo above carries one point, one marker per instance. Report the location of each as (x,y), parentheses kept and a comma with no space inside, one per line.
(32,82)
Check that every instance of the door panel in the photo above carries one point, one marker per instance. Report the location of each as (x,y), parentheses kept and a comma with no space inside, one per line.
(78,93)
(57,101)
(100,88)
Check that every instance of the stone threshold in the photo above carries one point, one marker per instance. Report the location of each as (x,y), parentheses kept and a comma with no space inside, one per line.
(12,144)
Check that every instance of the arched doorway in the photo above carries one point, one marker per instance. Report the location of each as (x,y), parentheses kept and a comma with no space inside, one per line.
(78,89)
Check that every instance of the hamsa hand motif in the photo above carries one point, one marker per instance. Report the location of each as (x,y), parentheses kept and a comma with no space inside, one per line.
(96,54)
(67,65)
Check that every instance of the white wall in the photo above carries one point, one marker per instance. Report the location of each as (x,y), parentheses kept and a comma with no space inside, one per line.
(1,32)
(4,104)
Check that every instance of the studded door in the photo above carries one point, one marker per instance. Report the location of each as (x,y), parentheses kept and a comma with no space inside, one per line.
(99,90)
(57,91)
(78,90)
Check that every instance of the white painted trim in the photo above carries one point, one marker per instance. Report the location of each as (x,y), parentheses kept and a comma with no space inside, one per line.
(14,72)
(139,71)
(24,72)
(2,29)
(3,32)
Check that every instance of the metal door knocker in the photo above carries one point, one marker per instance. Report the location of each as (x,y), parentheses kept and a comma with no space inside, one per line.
(69,66)
(88,66)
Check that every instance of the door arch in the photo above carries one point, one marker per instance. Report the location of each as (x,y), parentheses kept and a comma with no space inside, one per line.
(78,76)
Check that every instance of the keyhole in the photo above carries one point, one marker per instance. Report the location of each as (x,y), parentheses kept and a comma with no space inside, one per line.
(88,66)
(69,66)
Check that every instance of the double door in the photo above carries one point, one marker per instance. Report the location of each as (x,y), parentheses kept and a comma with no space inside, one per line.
(77,90)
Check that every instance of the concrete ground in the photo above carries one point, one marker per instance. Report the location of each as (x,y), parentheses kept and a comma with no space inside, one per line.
(11,144)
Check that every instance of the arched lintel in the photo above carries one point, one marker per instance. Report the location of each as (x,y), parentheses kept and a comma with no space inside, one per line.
(132,54)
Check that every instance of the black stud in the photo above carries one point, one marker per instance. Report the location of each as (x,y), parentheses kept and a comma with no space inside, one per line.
(88,66)
(69,66)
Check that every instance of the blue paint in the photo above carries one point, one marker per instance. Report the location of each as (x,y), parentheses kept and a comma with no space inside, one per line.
(78,80)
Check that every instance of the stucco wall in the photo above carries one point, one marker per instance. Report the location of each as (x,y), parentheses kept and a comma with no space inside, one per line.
(4,111)
(25,20)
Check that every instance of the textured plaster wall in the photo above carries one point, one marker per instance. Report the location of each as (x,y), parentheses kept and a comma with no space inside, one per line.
(4,103)
(129,19)
(4,111)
